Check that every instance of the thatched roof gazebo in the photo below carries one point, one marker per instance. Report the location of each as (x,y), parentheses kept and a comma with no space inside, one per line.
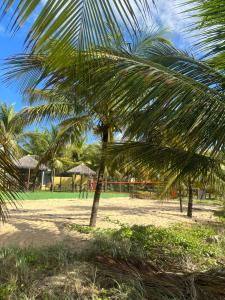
(81,170)
(29,163)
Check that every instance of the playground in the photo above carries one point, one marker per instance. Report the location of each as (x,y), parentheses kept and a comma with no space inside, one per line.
(41,222)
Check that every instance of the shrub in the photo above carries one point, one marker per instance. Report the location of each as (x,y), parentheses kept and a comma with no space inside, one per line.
(165,246)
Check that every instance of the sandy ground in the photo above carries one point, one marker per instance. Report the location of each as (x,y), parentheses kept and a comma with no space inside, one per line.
(42,222)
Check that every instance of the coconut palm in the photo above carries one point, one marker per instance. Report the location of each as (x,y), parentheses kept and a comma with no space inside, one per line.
(49,145)
(11,132)
(10,183)
(148,52)
(11,129)
(66,104)
(61,106)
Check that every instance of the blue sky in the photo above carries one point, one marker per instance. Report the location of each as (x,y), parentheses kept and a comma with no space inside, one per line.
(168,16)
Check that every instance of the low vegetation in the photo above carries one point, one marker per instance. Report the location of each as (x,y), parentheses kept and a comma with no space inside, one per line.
(126,263)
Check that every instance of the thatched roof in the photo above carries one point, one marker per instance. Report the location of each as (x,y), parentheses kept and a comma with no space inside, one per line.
(29,162)
(81,170)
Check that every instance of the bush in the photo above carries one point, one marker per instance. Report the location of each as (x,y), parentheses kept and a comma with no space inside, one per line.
(58,272)
(178,244)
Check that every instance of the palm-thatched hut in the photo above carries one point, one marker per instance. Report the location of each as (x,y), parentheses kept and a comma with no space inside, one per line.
(81,170)
(27,164)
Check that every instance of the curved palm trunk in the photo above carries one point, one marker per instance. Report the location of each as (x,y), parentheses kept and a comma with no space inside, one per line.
(94,212)
(190,199)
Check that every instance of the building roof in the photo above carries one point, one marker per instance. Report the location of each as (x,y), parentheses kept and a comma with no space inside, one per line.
(29,162)
(81,170)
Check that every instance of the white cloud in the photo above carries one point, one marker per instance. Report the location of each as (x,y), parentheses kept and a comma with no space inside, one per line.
(170,15)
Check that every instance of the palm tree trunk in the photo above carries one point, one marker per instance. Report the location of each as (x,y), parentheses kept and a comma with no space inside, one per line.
(94,212)
(53,179)
(180,198)
(28,180)
(190,199)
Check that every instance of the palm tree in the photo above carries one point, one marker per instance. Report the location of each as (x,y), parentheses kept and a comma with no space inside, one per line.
(11,129)
(146,51)
(105,121)
(10,183)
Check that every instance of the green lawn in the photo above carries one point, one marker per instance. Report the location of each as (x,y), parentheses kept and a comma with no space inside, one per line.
(64,195)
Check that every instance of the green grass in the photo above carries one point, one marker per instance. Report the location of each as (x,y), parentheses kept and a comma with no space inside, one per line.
(42,195)
(57,273)
(124,264)
(194,247)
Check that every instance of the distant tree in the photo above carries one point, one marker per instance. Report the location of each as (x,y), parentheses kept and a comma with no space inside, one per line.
(11,130)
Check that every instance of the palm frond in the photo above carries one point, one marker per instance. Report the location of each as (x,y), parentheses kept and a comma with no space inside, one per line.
(80,23)
(174,163)
(173,96)
(54,111)
(10,184)
(209,20)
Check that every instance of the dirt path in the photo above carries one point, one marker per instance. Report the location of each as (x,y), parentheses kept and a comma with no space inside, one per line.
(42,222)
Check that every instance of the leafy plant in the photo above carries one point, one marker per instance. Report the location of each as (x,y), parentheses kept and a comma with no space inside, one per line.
(163,245)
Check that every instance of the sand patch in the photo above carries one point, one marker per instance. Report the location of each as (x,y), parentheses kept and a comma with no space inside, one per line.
(42,222)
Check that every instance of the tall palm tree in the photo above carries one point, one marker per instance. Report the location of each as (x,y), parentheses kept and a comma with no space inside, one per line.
(61,106)
(123,73)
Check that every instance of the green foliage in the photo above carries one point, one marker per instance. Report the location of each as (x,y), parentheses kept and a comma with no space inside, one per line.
(56,273)
(81,229)
(177,244)
(209,19)
(81,23)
